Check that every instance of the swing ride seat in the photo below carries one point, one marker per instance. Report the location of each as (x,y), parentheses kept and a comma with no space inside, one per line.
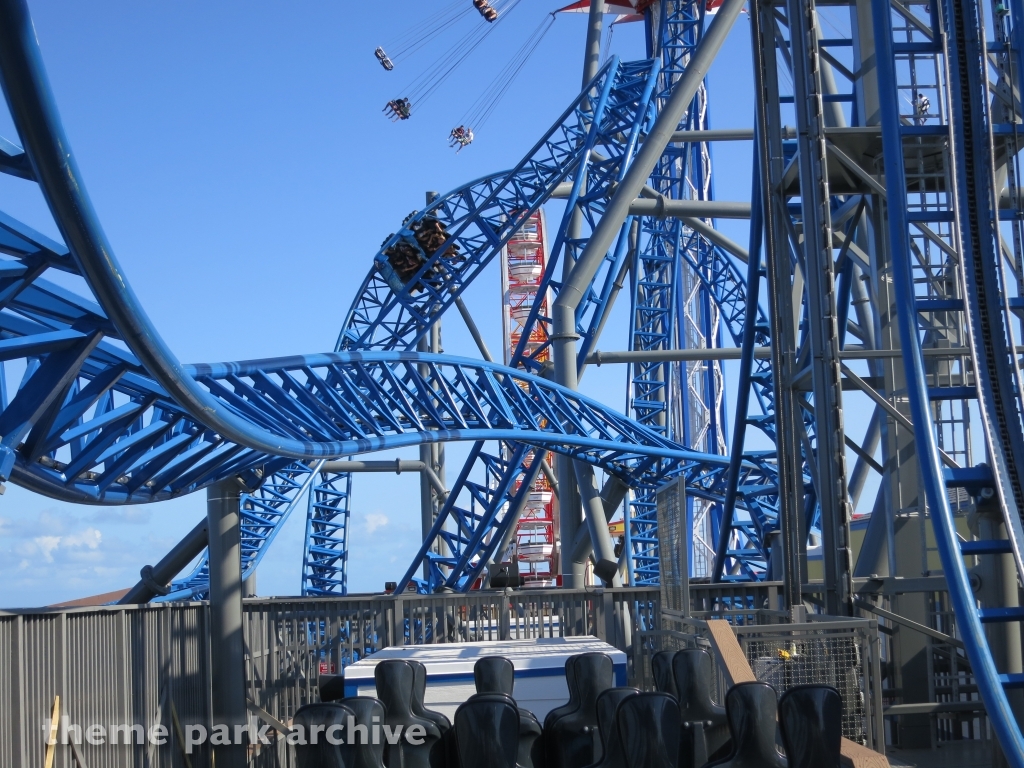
(428,81)
(383,59)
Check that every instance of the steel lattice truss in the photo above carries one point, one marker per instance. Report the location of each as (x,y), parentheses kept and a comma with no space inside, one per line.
(90,423)
(480,217)
(326,551)
(103,414)
(622,101)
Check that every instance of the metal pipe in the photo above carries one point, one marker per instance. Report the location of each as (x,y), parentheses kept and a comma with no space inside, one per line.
(226,642)
(156,578)
(620,279)
(859,475)
(651,203)
(663,207)
(717,134)
(607,230)
(569,507)
(549,473)
(581,274)
(605,563)
(746,371)
(398,466)
(474,331)
(717,237)
(592,51)
(612,494)
(600,358)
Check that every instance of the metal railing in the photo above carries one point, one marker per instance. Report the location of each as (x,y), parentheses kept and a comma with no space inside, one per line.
(290,642)
(134,664)
(150,664)
(843,653)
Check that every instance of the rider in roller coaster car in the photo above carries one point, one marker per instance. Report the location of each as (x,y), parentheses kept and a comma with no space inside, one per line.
(406,259)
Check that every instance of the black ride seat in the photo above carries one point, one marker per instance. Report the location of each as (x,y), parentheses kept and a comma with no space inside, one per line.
(441,753)
(419,691)
(751,711)
(360,752)
(608,702)
(496,674)
(323,754)
(574,739)
(648,726)
(487,731)
(661,671)
(574,696)
(395,681)
(704,728)
(811,719)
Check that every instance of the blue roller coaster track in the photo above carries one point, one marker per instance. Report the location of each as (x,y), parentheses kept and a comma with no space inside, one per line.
(105,414)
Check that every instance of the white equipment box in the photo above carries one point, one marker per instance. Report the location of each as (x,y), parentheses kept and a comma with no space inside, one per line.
(540,670)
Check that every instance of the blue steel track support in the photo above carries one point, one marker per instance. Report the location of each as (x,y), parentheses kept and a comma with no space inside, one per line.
(481,207)
(677,302)
(974,213)
(99,428)
(108,414)
(325,556)
(483,512)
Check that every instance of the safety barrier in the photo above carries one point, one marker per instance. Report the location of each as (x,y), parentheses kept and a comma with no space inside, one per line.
(150,664)
(147,664)
(843,653)
(292,641)
(118,665)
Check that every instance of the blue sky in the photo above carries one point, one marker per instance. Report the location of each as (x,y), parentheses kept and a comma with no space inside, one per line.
(241,165)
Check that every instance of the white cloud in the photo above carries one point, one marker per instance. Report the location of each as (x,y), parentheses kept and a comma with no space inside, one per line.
(90,538)
(51,552)
(46,545)
(375,520)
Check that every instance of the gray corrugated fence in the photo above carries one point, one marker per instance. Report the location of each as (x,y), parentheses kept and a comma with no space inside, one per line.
(126,665)
(110,666)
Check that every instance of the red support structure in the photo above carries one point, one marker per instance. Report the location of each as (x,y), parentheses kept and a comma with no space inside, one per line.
(523,262)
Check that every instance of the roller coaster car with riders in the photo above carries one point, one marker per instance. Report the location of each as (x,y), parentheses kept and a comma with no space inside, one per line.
(410,253)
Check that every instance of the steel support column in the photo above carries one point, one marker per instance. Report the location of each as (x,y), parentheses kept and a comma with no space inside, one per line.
(780,309)
(570,506)
(822,325)
(156,578)
(226,639)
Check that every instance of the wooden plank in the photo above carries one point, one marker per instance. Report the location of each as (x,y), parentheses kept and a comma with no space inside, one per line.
(730,654)
(51,739)
(737,670)
(858,756)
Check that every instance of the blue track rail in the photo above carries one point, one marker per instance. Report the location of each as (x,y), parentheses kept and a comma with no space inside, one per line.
(95,422)
(606,121)
(986,314)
